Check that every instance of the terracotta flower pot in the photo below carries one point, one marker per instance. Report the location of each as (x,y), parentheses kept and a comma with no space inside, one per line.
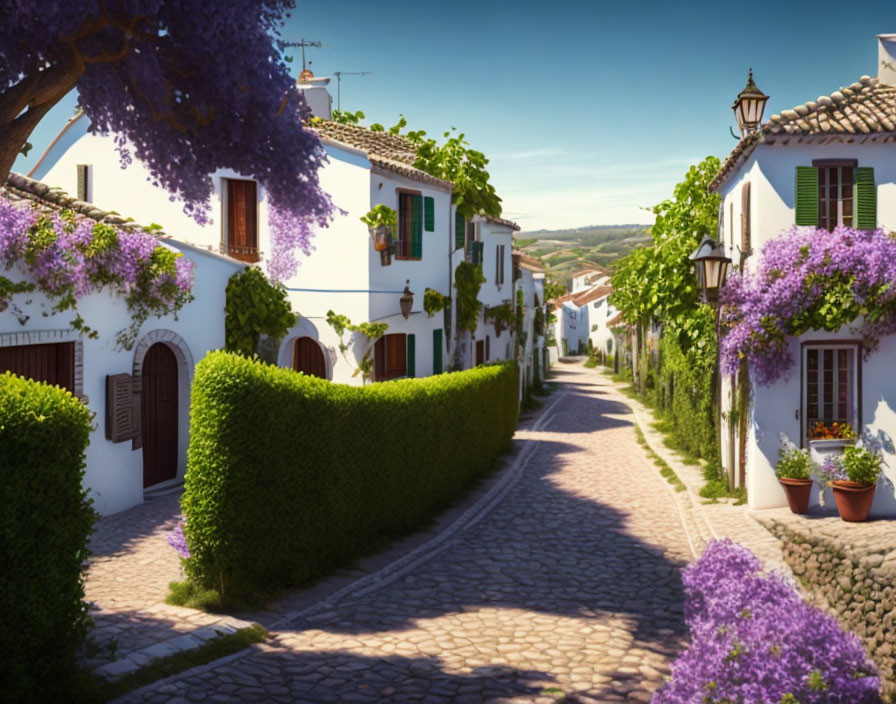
(853,500)
(797,491)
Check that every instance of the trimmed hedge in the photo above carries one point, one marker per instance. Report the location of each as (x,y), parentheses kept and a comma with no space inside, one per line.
(46,522)
(290,475)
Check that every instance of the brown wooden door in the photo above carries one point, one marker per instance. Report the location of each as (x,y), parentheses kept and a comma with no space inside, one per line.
(53,363)
(308,357)
(480,352)
(159,415)
(242,220)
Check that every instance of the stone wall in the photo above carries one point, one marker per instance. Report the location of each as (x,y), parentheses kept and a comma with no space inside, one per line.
(849,570)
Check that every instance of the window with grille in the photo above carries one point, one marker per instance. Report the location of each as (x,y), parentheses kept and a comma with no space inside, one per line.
(830,389)
(835,196)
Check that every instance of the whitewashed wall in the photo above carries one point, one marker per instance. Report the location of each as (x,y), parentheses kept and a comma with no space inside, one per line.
(115,471)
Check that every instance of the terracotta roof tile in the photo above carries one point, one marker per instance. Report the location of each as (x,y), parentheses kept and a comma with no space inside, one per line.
(592,294)
(865,107)
(524,261)
(615,320)
(387,151)
(501,221)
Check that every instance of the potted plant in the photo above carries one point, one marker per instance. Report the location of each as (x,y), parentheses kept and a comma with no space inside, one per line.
(793,470)
(853,479)
(381,220)
(829,440)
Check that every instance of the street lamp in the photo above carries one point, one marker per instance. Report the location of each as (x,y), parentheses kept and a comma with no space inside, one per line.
(407,300)
(749,106)
(711,268)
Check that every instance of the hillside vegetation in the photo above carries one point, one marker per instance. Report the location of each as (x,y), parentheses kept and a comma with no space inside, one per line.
(563,252)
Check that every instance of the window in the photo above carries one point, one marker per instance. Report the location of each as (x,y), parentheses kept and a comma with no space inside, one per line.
(830,385)
(836,192)
(499,264)
(835,195)
(52,363)
(242,219)
(488,348)
(393,356)
(746,243)
(410,226)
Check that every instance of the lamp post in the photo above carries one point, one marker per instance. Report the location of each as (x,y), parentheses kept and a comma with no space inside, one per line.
(711,269)
(749,106)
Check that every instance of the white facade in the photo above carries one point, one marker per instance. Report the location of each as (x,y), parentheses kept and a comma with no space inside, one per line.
(777,411)
(115,471)
(532,346)
(343,274)
(497,267)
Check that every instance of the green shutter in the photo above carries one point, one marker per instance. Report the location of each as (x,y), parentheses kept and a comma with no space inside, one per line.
(477,253)
(417,228)
(460,231)
(429,214)
(806,200)
(411,359)
(437,351)
(866,199)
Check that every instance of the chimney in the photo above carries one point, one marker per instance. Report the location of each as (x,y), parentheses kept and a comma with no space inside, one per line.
(316,94)
(886,59)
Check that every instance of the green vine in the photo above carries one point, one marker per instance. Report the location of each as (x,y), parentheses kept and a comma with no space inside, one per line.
(521,333)
(380,216)
(433,301)
(372,331)
(501,315)
(538,322)
(254,306)
(468,279)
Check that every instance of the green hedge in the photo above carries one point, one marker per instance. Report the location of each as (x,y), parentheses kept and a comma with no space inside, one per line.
(46,521)
(289,475)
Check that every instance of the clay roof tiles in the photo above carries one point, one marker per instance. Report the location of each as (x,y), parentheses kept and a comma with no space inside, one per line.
(864,108)
(383,149)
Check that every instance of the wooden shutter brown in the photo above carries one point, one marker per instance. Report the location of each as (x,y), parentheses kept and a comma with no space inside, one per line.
(242,220)
(379,360)
(121,416)
(51,363)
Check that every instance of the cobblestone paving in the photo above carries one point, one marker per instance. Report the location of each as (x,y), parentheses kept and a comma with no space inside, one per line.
(127,580)
(567,589)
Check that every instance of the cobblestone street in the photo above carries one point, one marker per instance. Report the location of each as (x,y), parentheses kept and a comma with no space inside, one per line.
(561,581)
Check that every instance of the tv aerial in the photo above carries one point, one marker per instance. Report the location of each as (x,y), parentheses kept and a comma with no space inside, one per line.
(339,75)
(303,43)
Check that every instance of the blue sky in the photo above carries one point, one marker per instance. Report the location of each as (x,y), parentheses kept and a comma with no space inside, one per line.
(588,111)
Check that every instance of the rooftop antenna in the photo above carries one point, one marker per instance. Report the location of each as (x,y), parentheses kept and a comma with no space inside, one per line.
(339,75)
(303,43)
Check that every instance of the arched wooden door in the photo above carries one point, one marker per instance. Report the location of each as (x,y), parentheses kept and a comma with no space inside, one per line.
(308,357)
(159,415)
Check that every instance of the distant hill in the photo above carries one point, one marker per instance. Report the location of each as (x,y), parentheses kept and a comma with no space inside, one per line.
(564,252)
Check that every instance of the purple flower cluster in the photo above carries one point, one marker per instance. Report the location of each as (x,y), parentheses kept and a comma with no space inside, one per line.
(808,278)
(289,234)
(70,258)
(755,641)
(178,540)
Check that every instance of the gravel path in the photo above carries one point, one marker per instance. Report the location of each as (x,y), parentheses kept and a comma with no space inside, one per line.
(560,583)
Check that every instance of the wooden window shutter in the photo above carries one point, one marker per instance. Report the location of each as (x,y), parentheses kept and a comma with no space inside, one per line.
(121,415)
(410,360)
(501,259)
(437,351)
(429,214)
(477,253)
(866,199)
(379,359)
(497,264)
(460,231)
(745,234)
(806,198)
(242,219)
(417,227)
(83,179)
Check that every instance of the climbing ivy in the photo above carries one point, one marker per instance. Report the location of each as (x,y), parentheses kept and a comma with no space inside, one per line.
(372,331)
(468,279)
(254,306)
(433,301)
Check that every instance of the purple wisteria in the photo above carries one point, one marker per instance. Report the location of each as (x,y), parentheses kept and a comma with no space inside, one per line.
(187,87)
(755,641)
(69,258)
(808,279)
(178,541)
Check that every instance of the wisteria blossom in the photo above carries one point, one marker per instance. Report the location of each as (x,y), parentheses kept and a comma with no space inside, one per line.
(178,541)
(69,258)
(808,279)
(754,640)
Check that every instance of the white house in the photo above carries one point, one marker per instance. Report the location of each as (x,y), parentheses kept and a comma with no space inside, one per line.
(492,247)
(586,278)
(529,281)
(344,273)
(140,396)
(830,161)
(583,315)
